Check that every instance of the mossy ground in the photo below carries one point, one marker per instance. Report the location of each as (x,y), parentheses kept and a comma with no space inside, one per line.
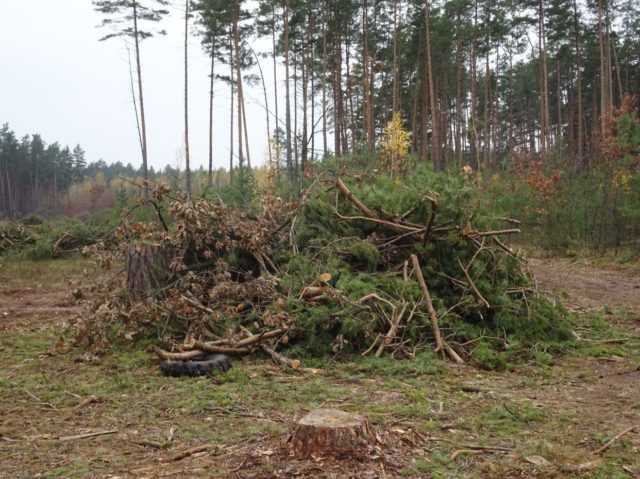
(561,409)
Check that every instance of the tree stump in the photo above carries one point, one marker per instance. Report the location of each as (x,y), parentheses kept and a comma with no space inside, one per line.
(147,270)
(329,432)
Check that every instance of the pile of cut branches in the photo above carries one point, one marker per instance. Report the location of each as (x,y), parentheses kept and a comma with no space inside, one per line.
(14,236)
(369,266)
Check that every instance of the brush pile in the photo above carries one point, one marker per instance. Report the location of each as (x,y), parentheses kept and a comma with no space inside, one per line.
(14,236)
(371,265)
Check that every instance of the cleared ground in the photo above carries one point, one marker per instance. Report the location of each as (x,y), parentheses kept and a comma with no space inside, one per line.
(435,420)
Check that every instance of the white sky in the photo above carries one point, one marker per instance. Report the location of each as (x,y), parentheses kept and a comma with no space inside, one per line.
(58,80)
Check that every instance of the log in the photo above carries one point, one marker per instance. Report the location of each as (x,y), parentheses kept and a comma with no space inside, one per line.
(147,270)
(334,433)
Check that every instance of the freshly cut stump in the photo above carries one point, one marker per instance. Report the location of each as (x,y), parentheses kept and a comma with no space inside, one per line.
(330,432)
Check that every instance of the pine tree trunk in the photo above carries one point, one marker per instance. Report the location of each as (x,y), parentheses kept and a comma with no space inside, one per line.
(246,133)
(435,140)
(458,125)
(474,96)
(306,67)
(145,171)
(396,61)
(578,100)
(210,172)
(325,148)
(238,59)
(287,95)
(186,100)
(231,109)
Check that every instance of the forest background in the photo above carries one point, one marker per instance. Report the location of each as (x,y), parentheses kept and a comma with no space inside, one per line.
(535,100)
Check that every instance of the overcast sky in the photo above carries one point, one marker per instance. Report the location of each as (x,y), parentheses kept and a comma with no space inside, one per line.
(58,80)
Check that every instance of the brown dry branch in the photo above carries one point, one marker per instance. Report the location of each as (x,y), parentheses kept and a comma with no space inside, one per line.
(610,442)
(440,344)
(351,197)
(393,330)
(188,452)
(86,435)
(432,215)
(473,285)
(427,296)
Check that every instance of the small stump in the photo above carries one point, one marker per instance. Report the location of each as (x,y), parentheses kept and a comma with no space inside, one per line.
(329,432)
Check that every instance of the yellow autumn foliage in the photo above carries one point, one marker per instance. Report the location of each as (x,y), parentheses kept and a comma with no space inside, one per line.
(395,144)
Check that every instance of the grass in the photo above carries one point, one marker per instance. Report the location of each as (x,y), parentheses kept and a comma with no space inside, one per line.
(16,272)
(561,410)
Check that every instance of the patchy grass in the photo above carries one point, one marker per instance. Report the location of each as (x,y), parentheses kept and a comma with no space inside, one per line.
(431,414)
(22,273)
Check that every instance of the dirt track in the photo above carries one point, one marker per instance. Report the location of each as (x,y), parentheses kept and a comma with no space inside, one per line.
(588,287)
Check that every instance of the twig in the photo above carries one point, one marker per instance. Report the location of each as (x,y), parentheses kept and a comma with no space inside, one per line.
(400,228)
(189,452)
(373,344)
(86,435)
(280,359)
(459,452)
(185,356)
(473,285)
(147,443)
(608,444)
(497,232)
(392,330)
(90,400)
(375,296)
(230,350)
(432,215)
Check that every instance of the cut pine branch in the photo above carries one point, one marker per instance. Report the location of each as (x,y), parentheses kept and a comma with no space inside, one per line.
(441,347)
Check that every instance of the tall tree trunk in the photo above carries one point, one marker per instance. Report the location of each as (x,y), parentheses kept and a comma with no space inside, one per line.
(275,70)
(325,149)
(238,60)
(371,134)
(435,139)
(295,112)
(510,142)
(231,109)
(266,109)
(342,146)
(186,99)
(210,172)
(246,134)
(352,117)
(559,106)
(286,89)
(486,123)
(458,123)
(604,87)
(365,73)
(473,131)
(396,60)
(542,82)
(313,101)
(145,170)
(306,67)
(578,99)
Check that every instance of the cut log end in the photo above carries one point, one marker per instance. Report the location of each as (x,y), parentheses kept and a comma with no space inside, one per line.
(330,432)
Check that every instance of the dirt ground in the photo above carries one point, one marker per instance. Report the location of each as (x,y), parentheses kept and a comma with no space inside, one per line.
(434,420)
(587,287)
